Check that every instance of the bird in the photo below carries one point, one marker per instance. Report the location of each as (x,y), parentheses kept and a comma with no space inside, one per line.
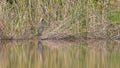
(40,31)
(40,27)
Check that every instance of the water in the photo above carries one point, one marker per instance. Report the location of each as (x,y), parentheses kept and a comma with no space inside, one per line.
(60,54)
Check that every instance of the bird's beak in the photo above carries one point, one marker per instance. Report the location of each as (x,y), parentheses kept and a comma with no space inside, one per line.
(41,19)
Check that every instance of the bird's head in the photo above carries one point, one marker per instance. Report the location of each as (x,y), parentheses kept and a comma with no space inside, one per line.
(41,20)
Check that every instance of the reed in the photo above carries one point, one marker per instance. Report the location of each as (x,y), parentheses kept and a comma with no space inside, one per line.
(93,17)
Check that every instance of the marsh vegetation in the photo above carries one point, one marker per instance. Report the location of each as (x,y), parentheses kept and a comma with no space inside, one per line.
(91,18)
(79,34)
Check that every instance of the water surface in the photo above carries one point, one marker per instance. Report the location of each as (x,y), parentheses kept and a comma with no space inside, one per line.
(60,54)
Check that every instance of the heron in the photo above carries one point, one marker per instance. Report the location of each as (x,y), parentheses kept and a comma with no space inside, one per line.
(40,31)
(40,27)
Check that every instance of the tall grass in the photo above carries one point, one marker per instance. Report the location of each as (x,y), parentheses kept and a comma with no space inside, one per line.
(21,18)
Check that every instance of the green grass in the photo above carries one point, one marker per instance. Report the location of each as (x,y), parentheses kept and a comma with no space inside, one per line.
(114,16)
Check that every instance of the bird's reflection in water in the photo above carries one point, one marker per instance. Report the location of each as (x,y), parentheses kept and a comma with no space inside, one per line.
(40,48)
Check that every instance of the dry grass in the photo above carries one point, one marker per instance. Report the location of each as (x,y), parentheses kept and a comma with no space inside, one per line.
(79,17)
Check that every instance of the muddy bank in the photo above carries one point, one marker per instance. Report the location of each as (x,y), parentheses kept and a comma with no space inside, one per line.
(70,38)
(73,38)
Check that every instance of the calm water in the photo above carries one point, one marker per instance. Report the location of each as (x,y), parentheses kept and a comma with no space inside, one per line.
(54,54)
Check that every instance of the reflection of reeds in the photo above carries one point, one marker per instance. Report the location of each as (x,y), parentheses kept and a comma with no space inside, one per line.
(100,54)
(23,55)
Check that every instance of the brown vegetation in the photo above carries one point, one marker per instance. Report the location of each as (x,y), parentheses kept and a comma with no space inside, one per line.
(63,19)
